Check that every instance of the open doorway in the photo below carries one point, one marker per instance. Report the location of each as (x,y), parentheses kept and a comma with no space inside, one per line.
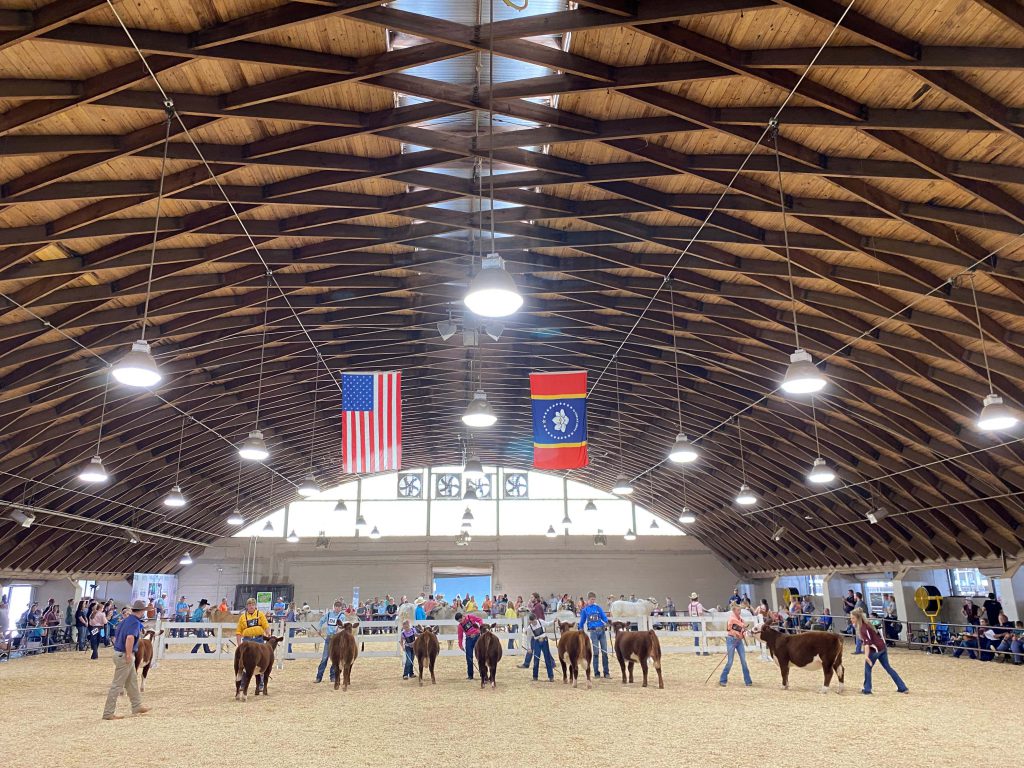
(19,598)
(462,581)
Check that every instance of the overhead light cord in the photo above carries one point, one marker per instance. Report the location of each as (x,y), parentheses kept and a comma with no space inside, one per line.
(981,332)
(263,349)
(675,355)
(169,106)
(181,442)
(774,126)
(103,410)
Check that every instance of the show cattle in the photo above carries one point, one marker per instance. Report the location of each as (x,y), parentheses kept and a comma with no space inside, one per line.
(343,653)
(144,655)
(573,647)
(425,648)
(633,647)
(804,650)
(488,654)
(633,612)
(254,659)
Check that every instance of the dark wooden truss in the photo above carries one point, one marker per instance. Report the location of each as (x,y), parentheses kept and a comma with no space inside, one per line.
(902,161)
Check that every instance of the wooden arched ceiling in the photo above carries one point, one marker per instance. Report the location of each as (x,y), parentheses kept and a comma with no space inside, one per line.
(346,154)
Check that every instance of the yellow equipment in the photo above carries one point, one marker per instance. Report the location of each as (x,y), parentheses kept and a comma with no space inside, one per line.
(789,594)
(929,600)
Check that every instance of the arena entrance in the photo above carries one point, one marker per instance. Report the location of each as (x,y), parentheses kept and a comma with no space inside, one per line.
(461,580)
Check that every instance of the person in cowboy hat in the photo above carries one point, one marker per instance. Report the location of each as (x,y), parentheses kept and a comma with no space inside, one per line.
(198,616)
(126,641)
(695,609)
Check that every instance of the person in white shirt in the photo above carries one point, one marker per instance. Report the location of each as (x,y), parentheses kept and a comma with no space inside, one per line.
(696,609)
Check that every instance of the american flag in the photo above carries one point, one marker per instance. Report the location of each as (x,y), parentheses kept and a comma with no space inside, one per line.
(371,427)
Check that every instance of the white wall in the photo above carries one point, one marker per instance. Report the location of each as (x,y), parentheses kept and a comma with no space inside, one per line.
(655,566)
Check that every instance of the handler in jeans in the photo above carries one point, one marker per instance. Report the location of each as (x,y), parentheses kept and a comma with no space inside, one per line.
(596,622)
(125,679)
(469,633)
(736,630)
(876,650)
(541,647)
(330,619)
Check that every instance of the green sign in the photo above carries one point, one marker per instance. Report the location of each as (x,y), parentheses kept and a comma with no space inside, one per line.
(264,600)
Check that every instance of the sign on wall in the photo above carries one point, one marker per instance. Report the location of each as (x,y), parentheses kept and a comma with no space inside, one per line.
(264,600)
(150,586)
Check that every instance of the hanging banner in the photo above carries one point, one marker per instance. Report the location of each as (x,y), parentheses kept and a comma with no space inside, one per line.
(151,586)
(559,419)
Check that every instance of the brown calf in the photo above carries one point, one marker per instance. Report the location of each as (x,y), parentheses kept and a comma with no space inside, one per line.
(144,655)
(425,648)
(632,647)
(803,649)
(488,654)
(344,651)
(573,647)
(254,659)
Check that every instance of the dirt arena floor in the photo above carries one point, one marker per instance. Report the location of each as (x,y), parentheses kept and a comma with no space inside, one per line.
(52,706)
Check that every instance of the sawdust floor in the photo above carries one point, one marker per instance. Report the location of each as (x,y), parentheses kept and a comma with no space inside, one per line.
(52,704)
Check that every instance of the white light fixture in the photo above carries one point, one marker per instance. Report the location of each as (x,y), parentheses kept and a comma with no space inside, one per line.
(622,486)
(686,516)
(492,292)
(308,487)
(133,538)
(820,472)
(341,506)
(235,518)
(474,469)
(996,415)
(254,447)
(360,521)
(470,494)
(494,329)
(292,537)
(137,368)
(551,533)
(94,471)
(375,534)
(779,533)
(802,377)
(479,412)
(746,496)
(467,519)
(682,452)
(590,506)
(876,514)
(446,329)
(566,520)
(23,519)
(186,559)
(268,527)
(630,535)
(174,498)
(654,525)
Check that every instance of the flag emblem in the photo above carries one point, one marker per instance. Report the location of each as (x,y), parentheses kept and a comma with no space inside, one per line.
(371,427)
(559,419)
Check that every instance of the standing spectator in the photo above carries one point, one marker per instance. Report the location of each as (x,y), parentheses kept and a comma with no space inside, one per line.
(889,606)
(420,615)
(223,607)
(470,606)
(429,604)
(858,604)
(734,597)
(69,621)
(736,630)
(198,616)
(279,608)
(108,631)
(5,615)
(595,620)
(51,621)
(161,606)
(695,610)
(405,643)
(180,614)
(510,613)
(150,610)
(670,610)
(992,609)
(487,605)
(97,625)
(125,643)
(877,651)
(330,620)
(469,633)
(849,603)
(970,612)
(794,614)
(541,647)
(82,624)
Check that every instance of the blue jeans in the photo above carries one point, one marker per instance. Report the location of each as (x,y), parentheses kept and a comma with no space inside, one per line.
(542,648)
(734,645)
(695,626)
(407,669)
(323,661)
(968,644)
(857,645)
(883,659)
(206,646)
(470,645)
(599,639)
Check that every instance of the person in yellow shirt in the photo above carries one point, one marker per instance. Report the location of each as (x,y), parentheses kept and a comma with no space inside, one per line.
(470,605)
(510,613)
(252,624)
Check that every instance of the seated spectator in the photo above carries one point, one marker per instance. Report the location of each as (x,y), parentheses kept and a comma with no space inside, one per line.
(1012,643)
(824,622)
(968,641)
(807,611)
(986,639)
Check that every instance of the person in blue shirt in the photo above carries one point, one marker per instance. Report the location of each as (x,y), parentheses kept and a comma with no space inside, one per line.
(125,643)
(735,597)
(197,618)
(329,620)
(279,608)
(596,621)
(180,614)
(421,615)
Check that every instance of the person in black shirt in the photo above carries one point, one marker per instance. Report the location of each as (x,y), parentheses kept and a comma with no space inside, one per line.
(992,609)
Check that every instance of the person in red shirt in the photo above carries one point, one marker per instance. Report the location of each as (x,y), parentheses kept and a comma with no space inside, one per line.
(469,633)
(876,651)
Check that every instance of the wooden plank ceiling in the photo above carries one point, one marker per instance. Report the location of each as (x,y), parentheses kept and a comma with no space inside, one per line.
(346,135)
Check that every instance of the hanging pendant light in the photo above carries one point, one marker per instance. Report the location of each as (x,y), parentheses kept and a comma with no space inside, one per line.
(375,534)
(492,292)
(686,516)
(474,469)
(470,494)
(341,506)
(175,498)
(292,537)
(268,527)
(360,522)
(682,452)
(94,471)
(745,497)
(308,487)
(467,519)
(654,525)
(566,520)
(132,536)
(995,415)
(235,518)
(551,533)
(820,472)
(802,377)
(138,368)
(590,506)
(479,412)
(630,535)
(254,447)
(186,559)
(622,486)
(779,533)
